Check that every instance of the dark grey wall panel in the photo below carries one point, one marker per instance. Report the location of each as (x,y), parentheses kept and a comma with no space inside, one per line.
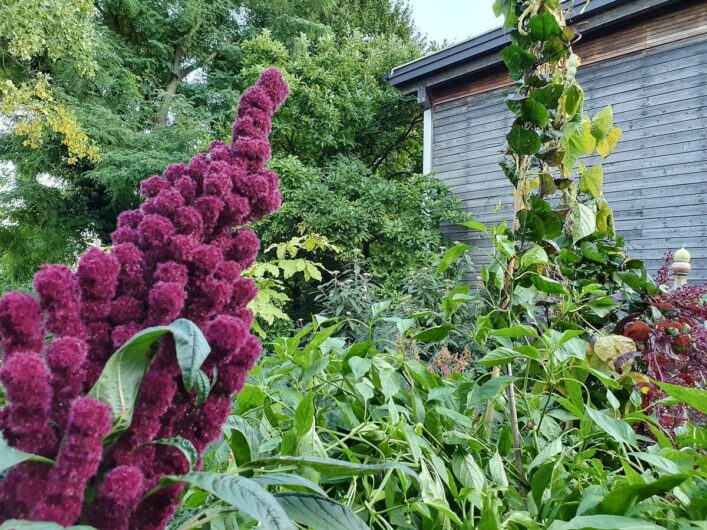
(656,180)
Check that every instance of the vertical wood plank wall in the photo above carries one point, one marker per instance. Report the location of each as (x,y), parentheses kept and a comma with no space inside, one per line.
(655,181)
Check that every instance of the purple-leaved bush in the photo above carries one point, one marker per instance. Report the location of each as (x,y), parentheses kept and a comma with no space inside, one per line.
(180,255)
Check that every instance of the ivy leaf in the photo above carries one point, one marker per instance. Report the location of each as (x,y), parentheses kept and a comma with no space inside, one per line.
(544,27)
(602,123)
(534,112)
(606,146)
(523,141)
(592,181)
(517,60)
(584,222)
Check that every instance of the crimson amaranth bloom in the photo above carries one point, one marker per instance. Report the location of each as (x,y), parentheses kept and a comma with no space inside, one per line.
(180,255)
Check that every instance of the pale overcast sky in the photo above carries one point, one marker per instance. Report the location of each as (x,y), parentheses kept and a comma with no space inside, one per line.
(454,20)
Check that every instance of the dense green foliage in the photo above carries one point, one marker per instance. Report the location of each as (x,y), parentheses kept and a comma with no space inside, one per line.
(156,81)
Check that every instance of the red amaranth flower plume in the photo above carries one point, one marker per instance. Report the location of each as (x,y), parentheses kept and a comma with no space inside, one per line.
(180,255)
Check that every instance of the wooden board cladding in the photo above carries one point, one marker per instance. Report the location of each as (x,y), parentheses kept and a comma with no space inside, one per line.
(683,23)
(656,180)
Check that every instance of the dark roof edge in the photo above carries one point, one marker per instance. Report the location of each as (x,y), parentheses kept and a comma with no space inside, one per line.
(492,41)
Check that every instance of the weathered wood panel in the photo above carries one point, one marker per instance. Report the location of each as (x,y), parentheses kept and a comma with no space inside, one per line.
(656,180)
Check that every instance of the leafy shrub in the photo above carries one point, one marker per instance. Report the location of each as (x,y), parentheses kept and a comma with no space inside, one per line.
(177,256)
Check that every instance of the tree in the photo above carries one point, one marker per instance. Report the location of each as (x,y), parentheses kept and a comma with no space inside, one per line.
(164,78)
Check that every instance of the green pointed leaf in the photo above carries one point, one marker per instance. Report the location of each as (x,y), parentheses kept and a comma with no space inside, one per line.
(534,256)
(451,255)
(605,522)
(572,101)
(9,457)
(192,349)
(468,471)
(519,330)
(592,181)
(602,122)
(288,480)
(621,498)
(547,285)
(435,334)
(523,141)
(304,415)
(619,430)
(695,397)
(319,513)
(330,466)
(475,225)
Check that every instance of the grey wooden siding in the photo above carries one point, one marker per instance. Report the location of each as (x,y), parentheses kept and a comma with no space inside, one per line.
(655,181)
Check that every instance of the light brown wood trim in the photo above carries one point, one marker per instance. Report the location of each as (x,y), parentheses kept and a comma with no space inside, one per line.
(678,25)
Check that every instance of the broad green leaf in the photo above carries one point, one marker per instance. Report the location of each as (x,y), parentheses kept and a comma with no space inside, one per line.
(695,397)
(192,349)
(517,60)
(621,498)
(548,96)
(389,383)
(475,225)
(468,471)
(572,101)
(288,479)
(608,144)
(451,255)
(497,471)
(441,393)
(604,522)
(592,181)
(619,430)
(185,447)
(602,122)
(577,141)
(319,512)
(547,285)
(119,383)
(435,334)
(359,366)
(241,493)
(546,453)
(540,481)
(535,112)
(533,256)
(379,307)
(304,415)
(584,222)
(499,356)
(9,456)
(523,141)
(519,330)
(544,27)
(493,387)
(330,466)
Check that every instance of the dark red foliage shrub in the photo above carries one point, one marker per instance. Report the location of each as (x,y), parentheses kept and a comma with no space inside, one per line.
(179,255)
(672,338)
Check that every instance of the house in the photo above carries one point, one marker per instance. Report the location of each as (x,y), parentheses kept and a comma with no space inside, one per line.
(648,59)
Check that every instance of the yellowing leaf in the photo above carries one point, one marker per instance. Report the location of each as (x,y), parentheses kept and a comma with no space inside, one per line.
(592,181)
(608,144)
(609,347)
